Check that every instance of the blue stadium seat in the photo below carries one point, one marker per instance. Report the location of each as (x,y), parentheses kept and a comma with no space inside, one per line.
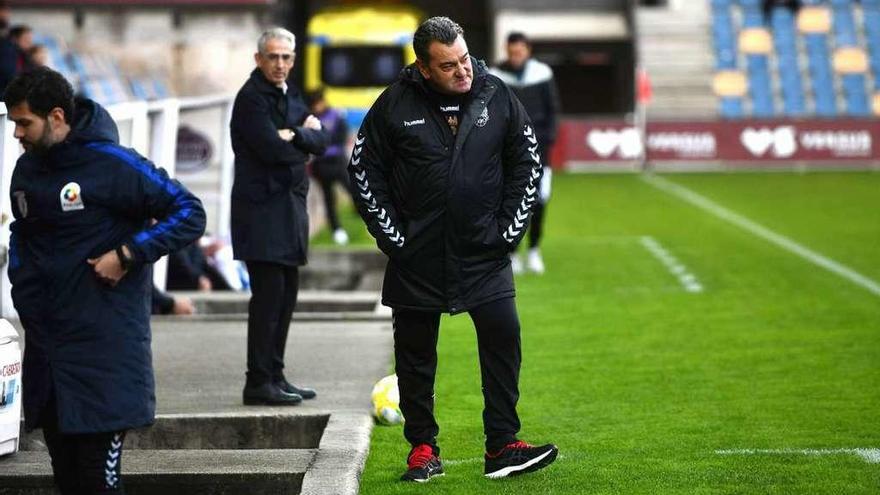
(871,10)
(822,77)
(148,88)
(785,42)
(723,35)
(760,85)
(845,33)
(732,108)
(855,95)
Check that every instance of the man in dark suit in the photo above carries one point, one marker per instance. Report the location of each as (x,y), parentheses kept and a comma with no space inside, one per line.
(272,136)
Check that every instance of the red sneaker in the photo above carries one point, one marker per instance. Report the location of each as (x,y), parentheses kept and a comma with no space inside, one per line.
(422,464)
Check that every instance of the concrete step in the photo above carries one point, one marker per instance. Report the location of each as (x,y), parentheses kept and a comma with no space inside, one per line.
(173,472)
(256,453)
(683,93)
(663,82)
(343,269)
(307,301)
(217,431)
(671,62)
(379,315)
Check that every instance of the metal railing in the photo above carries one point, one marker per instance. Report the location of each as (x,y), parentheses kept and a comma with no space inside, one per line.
(151,129)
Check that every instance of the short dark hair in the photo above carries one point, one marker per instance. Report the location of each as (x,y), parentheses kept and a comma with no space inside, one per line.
(43,89)
(442,29)
(314,96)
(518,37)
(18,31)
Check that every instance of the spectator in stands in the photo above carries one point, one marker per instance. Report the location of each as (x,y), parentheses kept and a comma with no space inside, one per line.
(273,134)
(23,38)
(9,58)
(4,18)
(166,304)
(532,82)
(39,56)
(329,168)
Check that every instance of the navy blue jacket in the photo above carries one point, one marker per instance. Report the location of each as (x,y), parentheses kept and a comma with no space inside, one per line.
(86,342)
(269,218)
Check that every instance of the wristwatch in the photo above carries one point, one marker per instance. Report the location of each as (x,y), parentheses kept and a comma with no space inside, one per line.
(124,259)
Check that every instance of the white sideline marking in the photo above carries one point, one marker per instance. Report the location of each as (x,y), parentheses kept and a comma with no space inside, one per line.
(785,243)
(688,280)
(871,456)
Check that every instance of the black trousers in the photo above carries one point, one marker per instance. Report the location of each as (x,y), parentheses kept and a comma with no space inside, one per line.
(274,289)
(536,225)
(84,464)
(328,174)
(415,353)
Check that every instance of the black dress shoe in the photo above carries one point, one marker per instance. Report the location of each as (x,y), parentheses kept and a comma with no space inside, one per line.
(269,394)
(286,386)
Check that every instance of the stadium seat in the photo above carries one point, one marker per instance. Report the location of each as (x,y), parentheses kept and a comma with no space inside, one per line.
(871,13)
(785,42)
(723,35)
(821,75)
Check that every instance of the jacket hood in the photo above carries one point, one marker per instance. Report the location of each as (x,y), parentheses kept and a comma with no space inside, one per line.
(91,122)
(411,74)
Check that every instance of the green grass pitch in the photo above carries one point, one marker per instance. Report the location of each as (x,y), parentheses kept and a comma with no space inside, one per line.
(641,382)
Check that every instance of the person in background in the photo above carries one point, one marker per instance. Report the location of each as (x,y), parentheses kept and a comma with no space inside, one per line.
(329,168)
(9,57)
(189,269)
(23,38)
(273,135)
(532,82)
(164,303)
(38,56)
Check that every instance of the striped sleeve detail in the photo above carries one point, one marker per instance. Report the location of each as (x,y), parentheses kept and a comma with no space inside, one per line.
(382,217)
(512,232)
(132,159)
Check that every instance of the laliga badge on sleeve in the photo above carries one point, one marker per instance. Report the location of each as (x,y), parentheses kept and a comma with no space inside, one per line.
(71,197)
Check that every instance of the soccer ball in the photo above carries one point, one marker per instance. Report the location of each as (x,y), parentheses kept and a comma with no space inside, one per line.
(386,401)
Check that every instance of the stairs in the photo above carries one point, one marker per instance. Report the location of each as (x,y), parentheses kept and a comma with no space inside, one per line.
(675,48)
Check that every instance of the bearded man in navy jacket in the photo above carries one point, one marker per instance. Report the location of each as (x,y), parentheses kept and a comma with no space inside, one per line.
(80,264)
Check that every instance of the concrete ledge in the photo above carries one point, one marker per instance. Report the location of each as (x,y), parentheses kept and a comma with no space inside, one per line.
(224,302)
(169,472)
(341,456)
(217,432)
(349,316)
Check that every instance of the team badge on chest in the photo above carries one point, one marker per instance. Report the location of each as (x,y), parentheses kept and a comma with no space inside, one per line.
(71,197)
(484,118)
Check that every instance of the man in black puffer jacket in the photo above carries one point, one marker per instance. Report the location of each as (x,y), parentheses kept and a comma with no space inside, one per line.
(446,167)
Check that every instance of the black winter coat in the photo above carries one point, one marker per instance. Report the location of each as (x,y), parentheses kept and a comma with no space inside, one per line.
(446,209)
(269,218)
(87,342)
